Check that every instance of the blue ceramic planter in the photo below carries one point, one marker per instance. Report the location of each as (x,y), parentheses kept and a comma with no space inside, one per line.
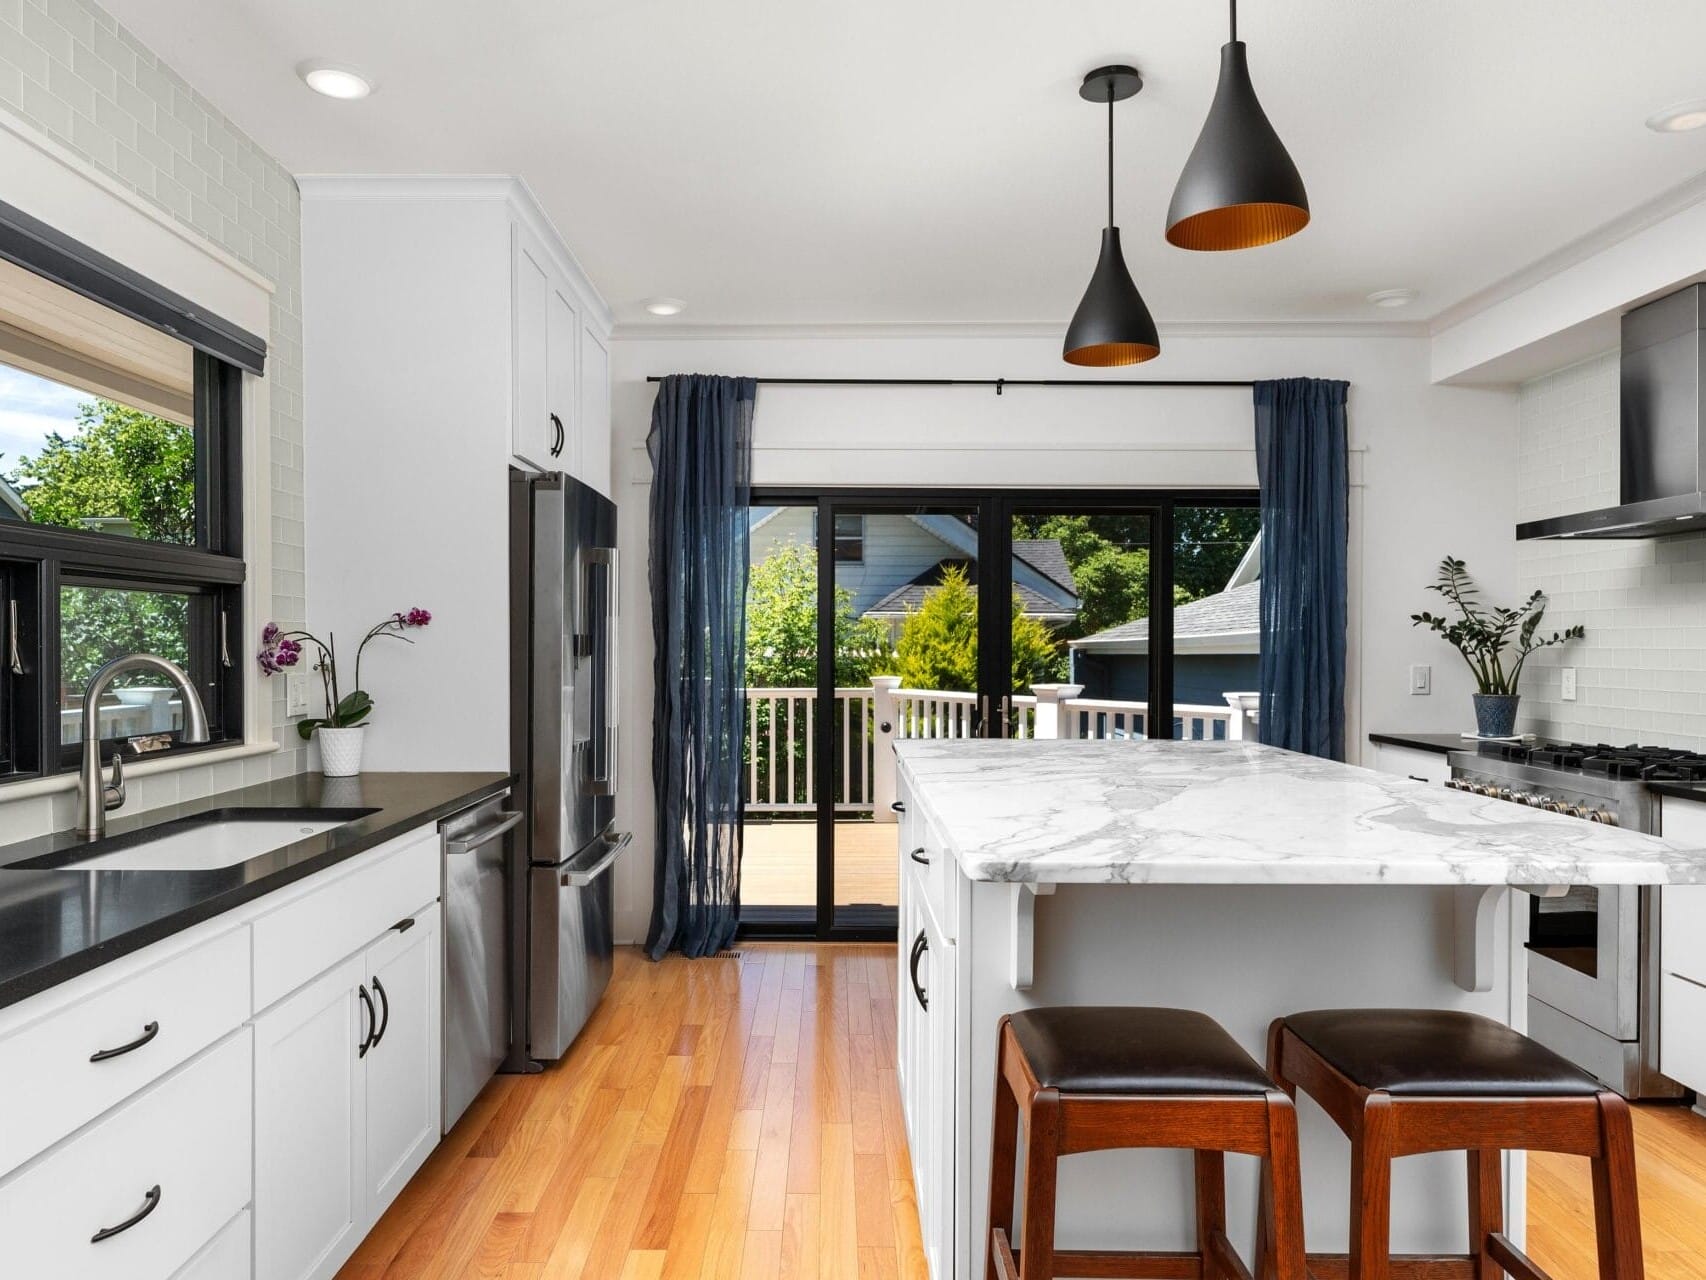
(1495,714)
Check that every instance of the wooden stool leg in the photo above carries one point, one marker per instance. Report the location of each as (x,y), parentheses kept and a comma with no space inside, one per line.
(1265,1243)
(1211,1210)
(1616,1208)
(1279,1254)
(1486,1210)
(1371,1192)
(1003,1156)
(1042,1153)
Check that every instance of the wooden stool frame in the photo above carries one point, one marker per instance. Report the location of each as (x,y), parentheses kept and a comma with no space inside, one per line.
(1059,1124)
(1384,1126)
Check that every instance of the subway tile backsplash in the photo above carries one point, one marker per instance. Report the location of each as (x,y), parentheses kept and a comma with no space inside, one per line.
(1641,671)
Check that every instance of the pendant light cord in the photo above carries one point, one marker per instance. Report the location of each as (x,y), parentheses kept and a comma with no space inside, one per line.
(1233,6)
(1110,153)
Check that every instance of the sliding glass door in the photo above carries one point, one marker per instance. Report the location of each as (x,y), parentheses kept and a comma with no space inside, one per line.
(876,617)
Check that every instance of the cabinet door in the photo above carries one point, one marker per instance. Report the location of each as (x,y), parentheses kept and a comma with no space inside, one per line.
(936,1199)
(594,426)
(403,1085)
(532,435)
(562,335)
(310,1122)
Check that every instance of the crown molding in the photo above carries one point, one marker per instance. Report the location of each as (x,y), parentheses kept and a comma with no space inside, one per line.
(643,331)
(1679,198)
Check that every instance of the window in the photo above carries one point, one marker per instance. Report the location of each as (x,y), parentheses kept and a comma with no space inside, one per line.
(849,539)
(120,522)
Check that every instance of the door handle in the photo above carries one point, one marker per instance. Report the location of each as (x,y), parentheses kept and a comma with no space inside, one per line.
(983,715)
(920,945)
(604,784)
(491,833)
(384,1013)
(150,1202)
(149,1031)
(582,877)
(367,1035)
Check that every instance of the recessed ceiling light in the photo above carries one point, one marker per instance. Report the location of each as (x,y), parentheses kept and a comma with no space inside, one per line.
(665,306)
(1390,298)
(1679,118)
(335,81)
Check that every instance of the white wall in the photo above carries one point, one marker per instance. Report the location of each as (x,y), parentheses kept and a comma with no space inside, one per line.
(1641,669)
(1433,473)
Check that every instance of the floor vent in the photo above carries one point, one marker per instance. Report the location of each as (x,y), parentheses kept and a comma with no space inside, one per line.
(729,955)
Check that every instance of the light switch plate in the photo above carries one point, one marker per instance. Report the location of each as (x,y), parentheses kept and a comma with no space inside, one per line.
(1421,679)
(296,694)
(1568,692)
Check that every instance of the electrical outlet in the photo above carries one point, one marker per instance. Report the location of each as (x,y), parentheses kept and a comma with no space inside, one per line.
(1421,679)
(296,694)
(1568,692)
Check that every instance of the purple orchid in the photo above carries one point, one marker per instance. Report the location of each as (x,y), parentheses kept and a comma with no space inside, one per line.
(281,649)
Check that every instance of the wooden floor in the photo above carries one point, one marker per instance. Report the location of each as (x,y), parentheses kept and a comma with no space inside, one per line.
(778,865)
(739,1118)
(717,1118)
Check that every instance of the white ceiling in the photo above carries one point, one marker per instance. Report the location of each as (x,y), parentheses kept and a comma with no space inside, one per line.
(819,161)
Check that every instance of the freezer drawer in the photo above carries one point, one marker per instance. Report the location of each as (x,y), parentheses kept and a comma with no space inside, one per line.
(570,945)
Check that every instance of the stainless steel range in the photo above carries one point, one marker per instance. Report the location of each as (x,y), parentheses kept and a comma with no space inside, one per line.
(1593,952)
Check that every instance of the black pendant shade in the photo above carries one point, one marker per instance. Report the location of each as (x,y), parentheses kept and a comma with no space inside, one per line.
(1112,326)
(1240,188)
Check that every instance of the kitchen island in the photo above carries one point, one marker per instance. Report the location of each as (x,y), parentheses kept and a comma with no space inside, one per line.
(1229,877)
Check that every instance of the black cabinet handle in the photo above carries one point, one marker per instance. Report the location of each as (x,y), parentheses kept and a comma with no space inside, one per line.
(920,945)
(557,446)
(384,1011)
(367,1036)
(150,1202)
(919,856)
(899,806)
(403,926)
(149,1031)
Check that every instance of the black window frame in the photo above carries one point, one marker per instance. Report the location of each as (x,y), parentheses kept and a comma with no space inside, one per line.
(37,560)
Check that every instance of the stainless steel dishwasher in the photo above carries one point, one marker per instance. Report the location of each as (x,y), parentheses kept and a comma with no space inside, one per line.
(477,1004)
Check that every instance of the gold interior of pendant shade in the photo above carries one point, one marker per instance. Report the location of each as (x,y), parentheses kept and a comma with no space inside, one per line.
(1107,355)
(1238,226)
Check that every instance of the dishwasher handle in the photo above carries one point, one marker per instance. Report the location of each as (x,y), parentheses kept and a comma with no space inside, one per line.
(581,877)
(506,820)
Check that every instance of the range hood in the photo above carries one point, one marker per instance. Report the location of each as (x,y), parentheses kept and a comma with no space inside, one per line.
(1661,426)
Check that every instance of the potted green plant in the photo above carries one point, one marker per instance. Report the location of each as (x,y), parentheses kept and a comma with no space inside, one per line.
(340,729)
(1482,634)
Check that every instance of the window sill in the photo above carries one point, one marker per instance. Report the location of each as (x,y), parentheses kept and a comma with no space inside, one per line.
(26,788)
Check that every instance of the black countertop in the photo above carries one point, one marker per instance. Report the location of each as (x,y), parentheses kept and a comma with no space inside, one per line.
(57,923)
(1438,743)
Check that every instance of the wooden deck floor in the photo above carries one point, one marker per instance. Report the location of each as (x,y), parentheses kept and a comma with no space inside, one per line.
(739,1118)
(779,864)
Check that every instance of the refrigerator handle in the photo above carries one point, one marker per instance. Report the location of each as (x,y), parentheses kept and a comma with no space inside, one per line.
(581,877)
(604,784)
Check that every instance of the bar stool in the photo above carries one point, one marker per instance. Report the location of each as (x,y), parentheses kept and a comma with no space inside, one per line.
(1094,1079)
(1401,1082)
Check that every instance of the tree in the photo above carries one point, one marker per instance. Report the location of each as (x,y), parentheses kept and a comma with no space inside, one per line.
(781,626)
(120,462)
(938,641)
(97,623)
(1208,544)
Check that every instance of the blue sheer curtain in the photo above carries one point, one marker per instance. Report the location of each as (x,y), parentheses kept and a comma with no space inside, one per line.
(701,451)
(1301,462)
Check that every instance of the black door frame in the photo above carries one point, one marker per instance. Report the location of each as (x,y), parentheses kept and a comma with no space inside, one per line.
(995,508)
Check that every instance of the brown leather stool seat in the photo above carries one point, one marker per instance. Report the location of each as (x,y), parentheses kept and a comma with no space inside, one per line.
(1117,1049)
(1071,1080)
(1425,1052)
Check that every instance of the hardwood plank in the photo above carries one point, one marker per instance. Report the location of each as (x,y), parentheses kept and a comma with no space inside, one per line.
(567,1258)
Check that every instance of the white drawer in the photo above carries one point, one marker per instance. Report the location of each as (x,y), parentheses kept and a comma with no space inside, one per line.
(927,854)
(304,937)
(227,1258)
(174,1008)
(1682,930)
(1409,762)
(1682,1031)
(189,1136)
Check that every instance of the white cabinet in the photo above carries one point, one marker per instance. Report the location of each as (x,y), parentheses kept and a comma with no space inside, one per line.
(1682,947)
(346,1101)
(562,354)
(533,439)
(593,430)
(1409,762)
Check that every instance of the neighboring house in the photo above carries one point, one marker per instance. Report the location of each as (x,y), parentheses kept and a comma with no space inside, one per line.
(1216,646)
(889,561)
(12,506)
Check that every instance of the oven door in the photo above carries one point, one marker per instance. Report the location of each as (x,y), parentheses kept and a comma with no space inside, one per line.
(1585,957)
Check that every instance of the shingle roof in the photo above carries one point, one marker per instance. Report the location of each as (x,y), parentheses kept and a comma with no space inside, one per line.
(1047,557)
(910,597)
(1234,612)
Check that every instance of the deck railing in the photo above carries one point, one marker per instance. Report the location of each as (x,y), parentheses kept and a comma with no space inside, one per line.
(781,770)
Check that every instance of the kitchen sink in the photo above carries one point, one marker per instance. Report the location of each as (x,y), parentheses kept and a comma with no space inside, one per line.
(205,841)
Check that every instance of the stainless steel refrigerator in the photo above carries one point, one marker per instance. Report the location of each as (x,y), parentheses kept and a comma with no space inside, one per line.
(565,753)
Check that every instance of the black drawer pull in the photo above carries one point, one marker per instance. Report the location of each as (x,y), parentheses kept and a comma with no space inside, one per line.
(367,1035)
(403,926)
(920,945)
(384,1012)
(149,1031)
(919,856)
(150,1202)
(899,806)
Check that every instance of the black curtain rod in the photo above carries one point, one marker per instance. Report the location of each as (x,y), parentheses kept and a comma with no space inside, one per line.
(1000,384)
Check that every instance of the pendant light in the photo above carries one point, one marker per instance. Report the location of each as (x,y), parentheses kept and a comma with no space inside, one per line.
(1239,188)
(1111,326)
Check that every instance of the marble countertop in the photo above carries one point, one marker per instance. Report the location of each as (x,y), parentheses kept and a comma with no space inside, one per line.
(1128,812)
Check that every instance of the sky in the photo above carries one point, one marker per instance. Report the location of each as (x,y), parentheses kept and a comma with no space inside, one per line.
(30,407)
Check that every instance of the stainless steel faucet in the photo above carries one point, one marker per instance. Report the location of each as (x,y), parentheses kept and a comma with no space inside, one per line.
(95,797)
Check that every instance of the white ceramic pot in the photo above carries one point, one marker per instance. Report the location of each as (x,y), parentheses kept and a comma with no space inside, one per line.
(340,750)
